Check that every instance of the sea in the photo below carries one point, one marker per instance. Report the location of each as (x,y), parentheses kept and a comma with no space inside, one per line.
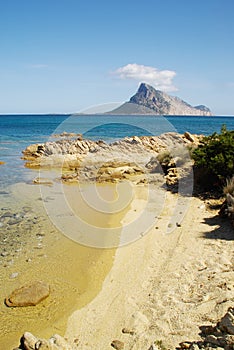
(19,131)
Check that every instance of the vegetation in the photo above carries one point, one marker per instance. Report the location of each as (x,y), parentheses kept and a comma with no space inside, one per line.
(214,159)
(228,206)
(229,188)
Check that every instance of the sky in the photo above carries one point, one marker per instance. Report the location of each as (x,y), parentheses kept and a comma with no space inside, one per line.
(65,56)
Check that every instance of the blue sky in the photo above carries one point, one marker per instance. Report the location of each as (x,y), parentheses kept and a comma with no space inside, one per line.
(67,55)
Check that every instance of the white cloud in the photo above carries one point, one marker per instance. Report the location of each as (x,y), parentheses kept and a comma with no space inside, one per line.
(160,79)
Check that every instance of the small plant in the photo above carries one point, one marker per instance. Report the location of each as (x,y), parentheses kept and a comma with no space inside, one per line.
(229,188)
(228,206)
(159,345)
(214,158)
(164,157)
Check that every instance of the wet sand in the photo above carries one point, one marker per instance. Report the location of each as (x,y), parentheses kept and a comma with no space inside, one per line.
(74,272)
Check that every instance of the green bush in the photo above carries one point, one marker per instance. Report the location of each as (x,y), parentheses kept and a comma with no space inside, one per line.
(214,156)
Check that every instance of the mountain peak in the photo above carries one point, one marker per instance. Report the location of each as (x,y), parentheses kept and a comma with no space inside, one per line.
(148,100)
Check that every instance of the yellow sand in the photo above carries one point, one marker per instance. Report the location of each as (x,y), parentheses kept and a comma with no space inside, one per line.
(162,287)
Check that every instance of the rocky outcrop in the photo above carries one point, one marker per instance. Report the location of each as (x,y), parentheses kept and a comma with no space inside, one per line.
(220,336)
(64,152)
(28,295)
(148,100)
(131,158)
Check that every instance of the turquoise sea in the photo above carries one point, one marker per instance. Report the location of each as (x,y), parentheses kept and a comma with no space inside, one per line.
(18,131)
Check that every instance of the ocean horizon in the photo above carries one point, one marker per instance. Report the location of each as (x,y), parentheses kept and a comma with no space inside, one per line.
(17,131)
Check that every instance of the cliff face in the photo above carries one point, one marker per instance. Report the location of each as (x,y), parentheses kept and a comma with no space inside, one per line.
(148,100)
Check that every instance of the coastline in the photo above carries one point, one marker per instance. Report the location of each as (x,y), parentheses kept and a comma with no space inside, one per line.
(155,285)
(74,272)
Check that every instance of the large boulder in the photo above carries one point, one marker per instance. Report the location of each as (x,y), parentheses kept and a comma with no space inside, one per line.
(28,295)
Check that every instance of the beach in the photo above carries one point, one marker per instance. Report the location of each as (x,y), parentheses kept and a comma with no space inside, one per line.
(130,256)
(161,287)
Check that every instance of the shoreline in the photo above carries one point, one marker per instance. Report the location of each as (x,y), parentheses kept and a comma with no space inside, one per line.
(159,282)
(74,272)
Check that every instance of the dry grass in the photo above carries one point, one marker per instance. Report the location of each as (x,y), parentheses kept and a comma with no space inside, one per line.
(229,188)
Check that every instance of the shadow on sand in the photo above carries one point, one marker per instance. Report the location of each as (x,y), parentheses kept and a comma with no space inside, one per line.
(223,228)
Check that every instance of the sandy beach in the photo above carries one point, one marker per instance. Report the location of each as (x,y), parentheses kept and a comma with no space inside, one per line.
(162,287)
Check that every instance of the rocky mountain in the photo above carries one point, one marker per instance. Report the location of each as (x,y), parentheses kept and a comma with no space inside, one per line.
(148,100)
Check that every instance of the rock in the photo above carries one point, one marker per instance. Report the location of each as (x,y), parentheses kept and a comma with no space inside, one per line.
(4,254)
(28,341)
(194,347)
(220,336)
(14,221)
(7,214)
(128,331)
(14,275)
(189,137)
(42,181)
(56,342)
(211,339)
(185,345)
(226,324)
(28,295)
(226,341)
(117,344)
(60,342)
(153,347)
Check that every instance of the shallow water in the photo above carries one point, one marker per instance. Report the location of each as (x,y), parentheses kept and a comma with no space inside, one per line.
(34,249)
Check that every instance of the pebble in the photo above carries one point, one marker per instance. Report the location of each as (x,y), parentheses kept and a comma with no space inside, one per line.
(18,250)
(117,344)
(8,214)
(127,331)
(4,254)
(153,347)
(14,221)
(11,262)
(14,275)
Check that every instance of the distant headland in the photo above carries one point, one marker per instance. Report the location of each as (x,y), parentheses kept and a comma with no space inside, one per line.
(148,100)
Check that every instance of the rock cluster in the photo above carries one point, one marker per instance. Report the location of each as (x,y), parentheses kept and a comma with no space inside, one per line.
(220,336)
(30,342)
(61,153)
(129,158)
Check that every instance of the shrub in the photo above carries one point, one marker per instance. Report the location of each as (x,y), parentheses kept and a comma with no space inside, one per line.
(229,188)
(214,157)
(227,208)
